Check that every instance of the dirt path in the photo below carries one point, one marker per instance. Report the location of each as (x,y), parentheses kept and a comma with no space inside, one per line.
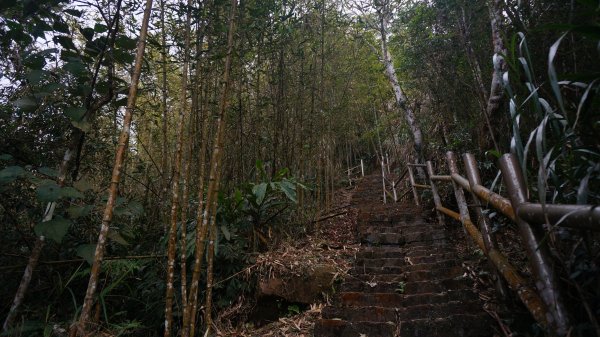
(407,279)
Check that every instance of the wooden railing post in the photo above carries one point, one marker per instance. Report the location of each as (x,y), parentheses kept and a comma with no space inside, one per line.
(362,168)
(537,252)
(484,226)
(436,196)
(458,191)
(383,181)
(411,177)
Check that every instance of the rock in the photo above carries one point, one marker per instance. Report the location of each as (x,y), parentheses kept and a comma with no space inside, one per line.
(302,289)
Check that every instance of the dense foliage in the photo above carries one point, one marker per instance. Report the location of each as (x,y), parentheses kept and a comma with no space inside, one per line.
(308,98)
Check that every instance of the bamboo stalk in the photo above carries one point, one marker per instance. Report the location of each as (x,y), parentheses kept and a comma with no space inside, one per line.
(81,327)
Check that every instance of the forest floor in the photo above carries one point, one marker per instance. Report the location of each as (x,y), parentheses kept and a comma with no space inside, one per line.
(333,242)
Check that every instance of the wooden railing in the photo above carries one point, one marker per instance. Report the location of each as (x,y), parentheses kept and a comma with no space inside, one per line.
(546,303)
(353,172)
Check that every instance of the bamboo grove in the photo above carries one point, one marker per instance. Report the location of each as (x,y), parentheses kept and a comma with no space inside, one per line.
(150,148)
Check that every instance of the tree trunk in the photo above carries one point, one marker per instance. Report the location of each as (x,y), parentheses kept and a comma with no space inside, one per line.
(496,91)
(172,243)
(401,99)
(80,327)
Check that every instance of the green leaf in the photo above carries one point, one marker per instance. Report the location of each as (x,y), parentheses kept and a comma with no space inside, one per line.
(289,189)
(116,236)
(60,26)
(70,192)
(81,125)
(49,191)
(87,252)
(88,33)
(26,103)
(79,211)
(10,174)
(259,192)
(125,42)
(100,28)
(35,76)
(50,172)
(73,12)
(226,232)
(6,157)
(75,113)
(54,229)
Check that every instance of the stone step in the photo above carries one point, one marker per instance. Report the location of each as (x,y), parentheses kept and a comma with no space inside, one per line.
(342,328)
(372,314)
(386,228)
(390,300)
(415,276)
(460,325)
(440,310)
(401,287)
(398,266)
(382,314)
(374,252)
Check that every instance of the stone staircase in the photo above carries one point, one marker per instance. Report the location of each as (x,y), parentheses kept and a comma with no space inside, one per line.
(406,280)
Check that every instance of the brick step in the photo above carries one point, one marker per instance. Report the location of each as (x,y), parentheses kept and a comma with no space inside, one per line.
(391,300)
(398,252)
(399,268)
(353,314)
(381,314)
(399,228)
(400,286)
(341,328)
(415,276)
(403,237)
(460,325)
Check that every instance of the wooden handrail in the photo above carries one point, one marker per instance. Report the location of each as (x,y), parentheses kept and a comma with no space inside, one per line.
(546,306)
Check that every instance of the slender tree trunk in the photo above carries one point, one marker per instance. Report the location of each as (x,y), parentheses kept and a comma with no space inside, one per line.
(206,217)
(81,327)
(216,167)
(172,244)
(165,110)
(496,91)
(401,99)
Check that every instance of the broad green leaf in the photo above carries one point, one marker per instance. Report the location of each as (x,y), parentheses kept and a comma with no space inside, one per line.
(49,191)
(75,113)
(116,236)
(50,172)
(226,232)
(88,33)
(87,252)
(70,192)
(79,211)
(26,103)
(6,157)
(100,28)
(35,76)
(54,229)
(259,192)
(10,174)
(81,125)
(73,12)
(289,189)
(125,42)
